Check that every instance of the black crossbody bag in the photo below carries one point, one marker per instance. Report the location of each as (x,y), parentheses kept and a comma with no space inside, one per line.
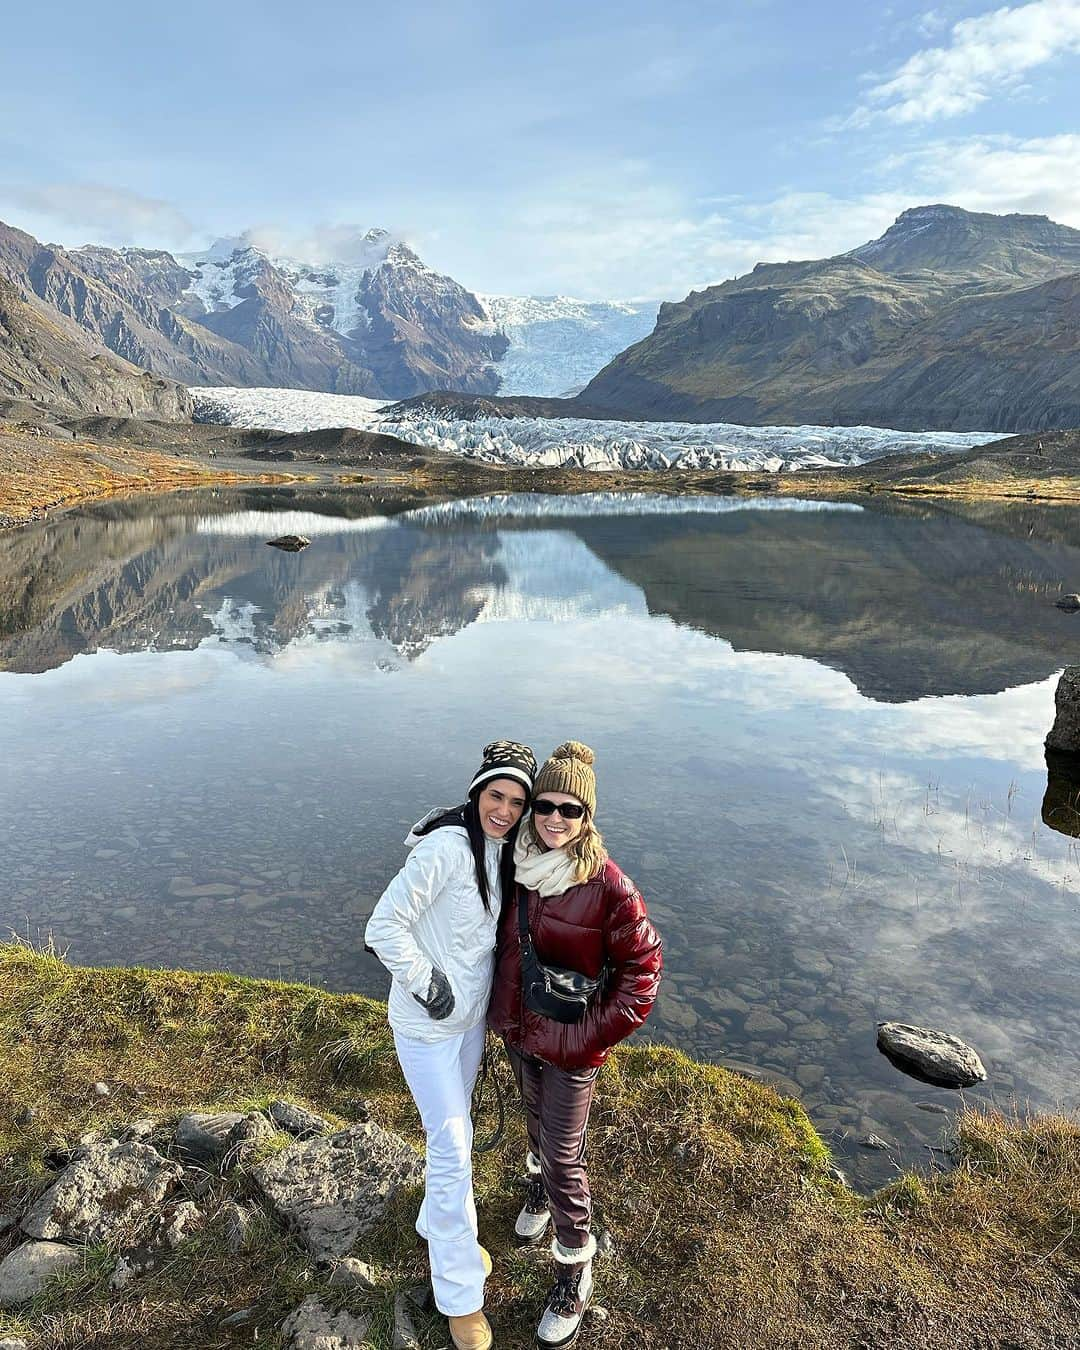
(552,991)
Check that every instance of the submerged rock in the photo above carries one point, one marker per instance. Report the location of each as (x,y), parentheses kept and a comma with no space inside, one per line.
(931,1056)
(1065,733)
(333,1189)
(291,543)
(110,1191)
(313,1326)
(24,1271)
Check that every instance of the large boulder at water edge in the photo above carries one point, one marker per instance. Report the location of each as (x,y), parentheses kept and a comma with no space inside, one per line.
(931,1056)
(1065,733)
(333,1189)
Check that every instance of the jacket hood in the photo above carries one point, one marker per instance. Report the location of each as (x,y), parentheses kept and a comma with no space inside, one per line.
(414,836)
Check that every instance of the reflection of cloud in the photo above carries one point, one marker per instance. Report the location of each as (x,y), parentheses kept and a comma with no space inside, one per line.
(124,678)
(270,524)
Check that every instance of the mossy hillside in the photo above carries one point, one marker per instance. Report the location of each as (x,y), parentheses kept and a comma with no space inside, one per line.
(727,1230)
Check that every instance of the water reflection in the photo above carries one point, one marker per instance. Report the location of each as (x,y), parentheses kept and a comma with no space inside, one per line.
(1061,805)
(225,746)
(906,601)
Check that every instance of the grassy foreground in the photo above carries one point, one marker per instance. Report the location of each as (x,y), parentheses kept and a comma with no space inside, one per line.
(727,1231)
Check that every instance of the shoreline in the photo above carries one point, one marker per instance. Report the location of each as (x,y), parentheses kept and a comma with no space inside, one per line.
(50,466)
(40,474)
(726,1226)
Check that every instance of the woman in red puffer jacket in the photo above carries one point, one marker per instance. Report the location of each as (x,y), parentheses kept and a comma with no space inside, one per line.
(584,916)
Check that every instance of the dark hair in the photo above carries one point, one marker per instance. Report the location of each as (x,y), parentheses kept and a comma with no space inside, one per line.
(468,816)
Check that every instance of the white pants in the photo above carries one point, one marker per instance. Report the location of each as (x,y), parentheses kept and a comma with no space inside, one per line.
(440,1075)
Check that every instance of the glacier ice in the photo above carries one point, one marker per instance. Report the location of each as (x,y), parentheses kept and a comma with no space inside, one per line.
(574,442)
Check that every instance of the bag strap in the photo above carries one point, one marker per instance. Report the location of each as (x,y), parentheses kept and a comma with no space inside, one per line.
(523,915)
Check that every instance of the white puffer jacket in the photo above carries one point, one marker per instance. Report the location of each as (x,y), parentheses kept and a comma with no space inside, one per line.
(431,914)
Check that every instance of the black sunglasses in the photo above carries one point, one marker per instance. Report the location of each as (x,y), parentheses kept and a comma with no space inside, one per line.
(568,810)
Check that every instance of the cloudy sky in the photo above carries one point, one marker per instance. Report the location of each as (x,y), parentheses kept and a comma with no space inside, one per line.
(602,150)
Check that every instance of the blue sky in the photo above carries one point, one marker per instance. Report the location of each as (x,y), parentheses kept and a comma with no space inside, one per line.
(599,150)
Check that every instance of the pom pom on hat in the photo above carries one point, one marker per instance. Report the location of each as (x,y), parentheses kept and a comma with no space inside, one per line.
(574,750)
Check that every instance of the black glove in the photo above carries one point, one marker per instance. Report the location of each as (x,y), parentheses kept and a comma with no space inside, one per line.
(440,997)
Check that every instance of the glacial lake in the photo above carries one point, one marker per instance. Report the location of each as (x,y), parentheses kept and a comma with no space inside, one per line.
(819,733)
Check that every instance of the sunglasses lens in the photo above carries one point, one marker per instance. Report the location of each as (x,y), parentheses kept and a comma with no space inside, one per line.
(568,810)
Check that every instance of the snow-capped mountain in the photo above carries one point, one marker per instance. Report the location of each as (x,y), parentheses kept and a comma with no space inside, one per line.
(557,344)
(361,314)
(377,313)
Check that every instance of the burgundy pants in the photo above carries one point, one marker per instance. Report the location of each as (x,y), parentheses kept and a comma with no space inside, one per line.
(557,1103)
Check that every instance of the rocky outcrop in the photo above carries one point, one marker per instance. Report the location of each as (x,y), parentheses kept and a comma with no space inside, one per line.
(312,1326)
(46,358)
(332,1190)
(1064,735)
(953,320)
(235,316)
(25,1271)
(110,1191)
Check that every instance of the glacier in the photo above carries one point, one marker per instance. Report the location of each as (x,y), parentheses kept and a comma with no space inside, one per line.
(557,343)
(573,442)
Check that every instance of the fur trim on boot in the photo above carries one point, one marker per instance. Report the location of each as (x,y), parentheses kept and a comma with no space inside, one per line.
(573,1256)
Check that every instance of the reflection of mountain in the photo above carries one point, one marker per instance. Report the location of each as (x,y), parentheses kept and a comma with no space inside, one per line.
(906,601)
(158,583)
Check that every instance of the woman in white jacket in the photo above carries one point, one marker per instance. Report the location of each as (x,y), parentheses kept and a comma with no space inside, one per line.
(434,929)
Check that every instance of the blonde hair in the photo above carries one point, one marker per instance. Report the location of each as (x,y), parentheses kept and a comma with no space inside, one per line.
(586,848)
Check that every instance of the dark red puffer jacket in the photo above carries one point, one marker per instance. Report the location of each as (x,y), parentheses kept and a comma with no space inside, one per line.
(596,924)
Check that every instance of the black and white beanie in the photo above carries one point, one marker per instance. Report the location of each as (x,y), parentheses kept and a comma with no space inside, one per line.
(506,759)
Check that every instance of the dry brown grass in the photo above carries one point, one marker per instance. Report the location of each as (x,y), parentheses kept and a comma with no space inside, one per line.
(728,1232)
(38,473)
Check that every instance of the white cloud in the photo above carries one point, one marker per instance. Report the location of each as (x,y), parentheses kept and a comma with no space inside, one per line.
(95,213)
(997,173)
(985,55)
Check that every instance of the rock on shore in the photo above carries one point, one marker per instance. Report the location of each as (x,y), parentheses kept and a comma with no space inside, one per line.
(1065,733)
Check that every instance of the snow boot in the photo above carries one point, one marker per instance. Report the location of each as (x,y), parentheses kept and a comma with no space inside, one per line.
(535,1215)
(570,1296)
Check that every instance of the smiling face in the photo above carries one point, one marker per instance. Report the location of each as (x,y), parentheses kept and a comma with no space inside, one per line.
(500,806)
(553,831)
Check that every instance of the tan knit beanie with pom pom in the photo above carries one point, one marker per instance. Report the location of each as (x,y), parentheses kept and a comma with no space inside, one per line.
(569,769)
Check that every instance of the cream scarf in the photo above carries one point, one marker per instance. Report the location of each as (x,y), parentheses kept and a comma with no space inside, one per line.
(550,873)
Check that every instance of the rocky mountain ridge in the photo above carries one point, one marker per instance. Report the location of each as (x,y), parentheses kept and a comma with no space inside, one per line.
(386,327)
(45,357)
(952,320)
